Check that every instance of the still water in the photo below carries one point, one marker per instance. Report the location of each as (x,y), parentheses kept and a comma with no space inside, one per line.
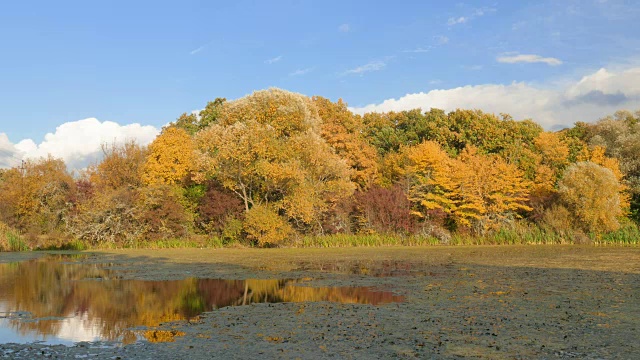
(57,302)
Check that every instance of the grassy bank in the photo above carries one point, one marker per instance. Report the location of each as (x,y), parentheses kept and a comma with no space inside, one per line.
(628,235)
(11,240)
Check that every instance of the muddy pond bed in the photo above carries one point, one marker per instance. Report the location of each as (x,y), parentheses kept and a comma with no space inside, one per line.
(512,302)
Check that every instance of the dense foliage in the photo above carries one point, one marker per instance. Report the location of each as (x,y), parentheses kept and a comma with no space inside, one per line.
(278,168)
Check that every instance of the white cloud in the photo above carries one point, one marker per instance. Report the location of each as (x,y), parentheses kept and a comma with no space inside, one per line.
(273,60)
(528,58)
(10,156)
(459,20)
(608,82)
(78,143)
(438,40)
(594,96)
(300,72)
(344,28)
(197,50)
(475,14)
(368,67)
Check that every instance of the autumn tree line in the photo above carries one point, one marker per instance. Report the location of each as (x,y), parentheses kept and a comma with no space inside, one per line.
(275,168)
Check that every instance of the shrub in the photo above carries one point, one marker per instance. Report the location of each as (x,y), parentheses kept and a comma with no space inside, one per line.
(217,207)
(265,227)
(431,230)
(162,214)
(385,210)
(232,231)
(110,218)
(591,193)
(557,219)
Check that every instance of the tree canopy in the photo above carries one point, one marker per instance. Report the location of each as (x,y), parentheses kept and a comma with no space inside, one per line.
(275,166)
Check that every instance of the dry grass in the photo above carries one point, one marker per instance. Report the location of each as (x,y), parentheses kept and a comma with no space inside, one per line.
(10,239)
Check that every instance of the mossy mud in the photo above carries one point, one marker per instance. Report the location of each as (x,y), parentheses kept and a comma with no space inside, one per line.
(457,302)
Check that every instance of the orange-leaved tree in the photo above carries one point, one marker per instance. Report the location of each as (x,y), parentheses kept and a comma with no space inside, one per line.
(430,178)
(343,130)
(37,196)
(120,167)
(170,158)
(488,191)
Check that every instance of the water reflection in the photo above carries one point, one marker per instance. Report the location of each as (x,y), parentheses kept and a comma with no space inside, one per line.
(62,303)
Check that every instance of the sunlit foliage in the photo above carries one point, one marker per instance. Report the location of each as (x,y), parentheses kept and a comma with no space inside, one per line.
(275,167)
(343,132)
(429,173)
(120,166)
(266,148)
(489,191)
(592,194)
(265,227)
(36,196)
(170,158)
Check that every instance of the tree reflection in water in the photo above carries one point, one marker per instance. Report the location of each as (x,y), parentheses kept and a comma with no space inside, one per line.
(90,302)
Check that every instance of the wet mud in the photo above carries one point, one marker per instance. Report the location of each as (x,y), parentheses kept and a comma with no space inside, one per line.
(510,302)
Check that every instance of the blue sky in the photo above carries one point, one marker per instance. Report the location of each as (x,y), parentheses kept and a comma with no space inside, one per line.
(147,62)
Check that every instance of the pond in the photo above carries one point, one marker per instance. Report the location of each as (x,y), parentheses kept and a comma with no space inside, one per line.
(56,301)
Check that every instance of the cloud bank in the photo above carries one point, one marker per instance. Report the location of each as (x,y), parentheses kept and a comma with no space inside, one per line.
(78,143)
(553,106)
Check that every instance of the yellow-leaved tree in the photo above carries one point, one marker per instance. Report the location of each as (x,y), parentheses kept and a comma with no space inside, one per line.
(597,155)
(429,174)
(36,197)
(120,167)
(170,158)
(343,130)
(488,191)
(554,151)
(553,158)
(267,149)
(591,193)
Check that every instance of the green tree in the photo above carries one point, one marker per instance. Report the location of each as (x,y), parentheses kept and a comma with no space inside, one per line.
(192,123)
